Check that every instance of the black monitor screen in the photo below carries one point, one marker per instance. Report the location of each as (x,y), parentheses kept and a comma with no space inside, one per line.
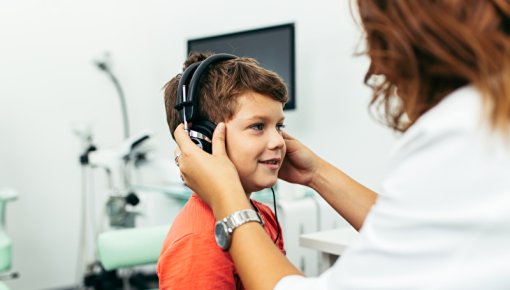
(272,47)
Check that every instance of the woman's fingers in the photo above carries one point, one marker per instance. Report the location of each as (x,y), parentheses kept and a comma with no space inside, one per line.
(218,140)
(182,139)
(287,136)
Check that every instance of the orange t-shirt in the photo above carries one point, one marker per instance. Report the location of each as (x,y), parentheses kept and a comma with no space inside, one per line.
(190,257)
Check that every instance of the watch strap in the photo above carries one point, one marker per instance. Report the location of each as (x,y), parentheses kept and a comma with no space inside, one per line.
(241,217)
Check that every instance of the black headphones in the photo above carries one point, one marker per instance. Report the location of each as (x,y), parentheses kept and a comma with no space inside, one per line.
(187,103)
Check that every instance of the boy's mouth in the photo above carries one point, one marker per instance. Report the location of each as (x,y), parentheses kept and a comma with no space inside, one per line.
(272,161)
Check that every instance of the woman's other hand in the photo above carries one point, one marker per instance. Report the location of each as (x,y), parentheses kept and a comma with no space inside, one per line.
(300,163)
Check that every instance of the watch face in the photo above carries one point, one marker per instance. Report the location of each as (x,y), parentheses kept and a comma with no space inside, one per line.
(221,235)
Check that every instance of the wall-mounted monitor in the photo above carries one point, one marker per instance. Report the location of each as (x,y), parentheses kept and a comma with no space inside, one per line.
(272,47)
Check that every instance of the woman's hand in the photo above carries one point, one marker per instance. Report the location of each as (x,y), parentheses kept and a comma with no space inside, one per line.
(300,163)
(212,176)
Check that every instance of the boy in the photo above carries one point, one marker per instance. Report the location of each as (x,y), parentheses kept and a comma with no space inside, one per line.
(250,100)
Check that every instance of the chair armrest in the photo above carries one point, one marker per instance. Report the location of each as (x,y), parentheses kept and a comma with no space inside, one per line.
(131,247)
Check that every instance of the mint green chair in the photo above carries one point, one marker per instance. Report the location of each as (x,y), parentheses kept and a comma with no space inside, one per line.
(5,242)
(127,248)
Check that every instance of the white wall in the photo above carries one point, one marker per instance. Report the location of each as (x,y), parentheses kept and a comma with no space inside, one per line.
(48,83)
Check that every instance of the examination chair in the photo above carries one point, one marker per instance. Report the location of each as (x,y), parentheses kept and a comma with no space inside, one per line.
(5,243)
(127,248)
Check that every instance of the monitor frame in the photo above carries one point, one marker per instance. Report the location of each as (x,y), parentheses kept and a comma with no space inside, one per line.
(291,82)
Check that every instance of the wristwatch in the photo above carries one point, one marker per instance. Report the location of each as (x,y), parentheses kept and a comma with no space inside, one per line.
(224,228)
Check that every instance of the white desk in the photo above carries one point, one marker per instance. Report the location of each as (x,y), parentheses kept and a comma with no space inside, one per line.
(331,244)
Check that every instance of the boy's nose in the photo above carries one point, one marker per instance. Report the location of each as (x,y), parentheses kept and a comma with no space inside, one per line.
(276,140)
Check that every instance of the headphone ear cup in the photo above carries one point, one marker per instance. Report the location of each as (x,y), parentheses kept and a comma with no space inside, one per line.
(205,130)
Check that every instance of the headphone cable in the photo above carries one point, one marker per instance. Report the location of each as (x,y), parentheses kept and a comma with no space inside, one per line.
(276,217)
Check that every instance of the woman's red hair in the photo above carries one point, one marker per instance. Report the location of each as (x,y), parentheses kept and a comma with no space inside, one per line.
(422,50)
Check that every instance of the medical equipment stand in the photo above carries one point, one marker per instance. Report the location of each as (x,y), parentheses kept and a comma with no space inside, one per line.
(6,195)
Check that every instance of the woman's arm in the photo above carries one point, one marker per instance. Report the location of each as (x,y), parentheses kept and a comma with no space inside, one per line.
(213,176)
(348,197)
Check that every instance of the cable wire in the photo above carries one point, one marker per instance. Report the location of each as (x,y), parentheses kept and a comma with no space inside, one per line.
(276,217)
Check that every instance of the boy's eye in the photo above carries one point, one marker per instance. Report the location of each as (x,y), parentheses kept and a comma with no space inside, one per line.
(258,127)
(261,126)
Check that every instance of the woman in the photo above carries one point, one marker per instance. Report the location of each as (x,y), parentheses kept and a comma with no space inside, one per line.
(442,220)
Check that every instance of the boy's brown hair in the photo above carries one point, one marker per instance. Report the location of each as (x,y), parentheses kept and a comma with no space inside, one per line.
(221,85)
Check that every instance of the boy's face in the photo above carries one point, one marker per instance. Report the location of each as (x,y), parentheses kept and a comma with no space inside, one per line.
(254,140)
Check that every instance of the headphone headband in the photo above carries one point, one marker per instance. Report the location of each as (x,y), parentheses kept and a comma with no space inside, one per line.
(186,102)
(182,95)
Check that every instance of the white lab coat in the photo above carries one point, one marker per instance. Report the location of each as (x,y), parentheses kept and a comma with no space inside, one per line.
(442,220)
